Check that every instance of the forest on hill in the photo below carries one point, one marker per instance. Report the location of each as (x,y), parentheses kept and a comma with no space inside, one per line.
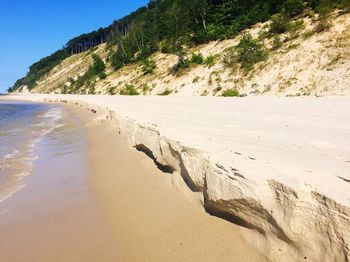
(169,25)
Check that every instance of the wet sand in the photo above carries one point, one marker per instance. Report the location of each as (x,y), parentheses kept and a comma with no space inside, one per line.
(125,210)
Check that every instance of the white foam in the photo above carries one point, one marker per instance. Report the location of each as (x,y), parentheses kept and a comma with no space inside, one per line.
(11,155)
(54,113)
(26,156)
(8,194)
(22,174)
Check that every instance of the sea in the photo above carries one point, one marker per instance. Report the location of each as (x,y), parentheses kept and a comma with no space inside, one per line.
(30,132)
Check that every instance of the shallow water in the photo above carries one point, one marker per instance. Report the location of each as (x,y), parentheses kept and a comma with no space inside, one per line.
(30,131)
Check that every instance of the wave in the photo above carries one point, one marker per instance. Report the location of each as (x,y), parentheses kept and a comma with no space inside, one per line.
(19,145)
(11,155)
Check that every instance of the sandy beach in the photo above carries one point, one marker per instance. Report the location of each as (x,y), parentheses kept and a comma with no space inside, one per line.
(124,209)
(173,130)
(278,167)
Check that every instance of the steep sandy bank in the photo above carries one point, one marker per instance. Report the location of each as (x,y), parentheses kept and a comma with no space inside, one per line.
(306,63)
(279,166)
(150,218)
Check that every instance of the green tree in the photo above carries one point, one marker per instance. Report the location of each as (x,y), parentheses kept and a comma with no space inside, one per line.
(97,67)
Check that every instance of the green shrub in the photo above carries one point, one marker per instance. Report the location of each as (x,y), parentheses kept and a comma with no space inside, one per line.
(278,24)
(205,93)
(102,75)
(277,43)
(129,90)
(118,60)
(293,46)
(97,67)
(196,79)
(64,90)
(217,89)
(197,59)
(148,66)
(230,93)
(145,89)
(167,47)
(120,57)
(308,34)
(184,64)
(166,92)
(264,34)
(181,64)
(210,60)
(91,89)
(294,27)
(111,90)
(311,14)
(250,52)
(230,58)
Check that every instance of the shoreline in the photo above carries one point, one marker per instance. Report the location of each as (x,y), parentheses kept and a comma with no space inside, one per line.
(268,164)
(37,222)
(21,154)
(127,210)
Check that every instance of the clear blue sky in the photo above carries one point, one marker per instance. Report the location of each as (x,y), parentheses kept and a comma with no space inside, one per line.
(32,29)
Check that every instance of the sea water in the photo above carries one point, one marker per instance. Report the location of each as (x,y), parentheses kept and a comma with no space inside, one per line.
(26,131)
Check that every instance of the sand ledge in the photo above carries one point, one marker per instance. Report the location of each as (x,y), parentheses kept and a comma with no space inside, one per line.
(295,218)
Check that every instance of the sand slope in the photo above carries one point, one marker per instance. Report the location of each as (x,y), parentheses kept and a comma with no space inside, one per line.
(307,63)
(279,166)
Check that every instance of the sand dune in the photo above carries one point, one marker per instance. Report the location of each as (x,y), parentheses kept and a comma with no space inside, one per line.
(307,63)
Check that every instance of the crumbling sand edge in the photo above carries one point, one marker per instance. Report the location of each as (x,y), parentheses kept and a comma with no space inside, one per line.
(289,224)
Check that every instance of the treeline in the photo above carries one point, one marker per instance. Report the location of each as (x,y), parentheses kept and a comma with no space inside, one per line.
(84,42)
(168,25)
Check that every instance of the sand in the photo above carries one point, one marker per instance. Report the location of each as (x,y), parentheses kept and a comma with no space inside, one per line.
(279,166)
(125,210)
(290,134)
